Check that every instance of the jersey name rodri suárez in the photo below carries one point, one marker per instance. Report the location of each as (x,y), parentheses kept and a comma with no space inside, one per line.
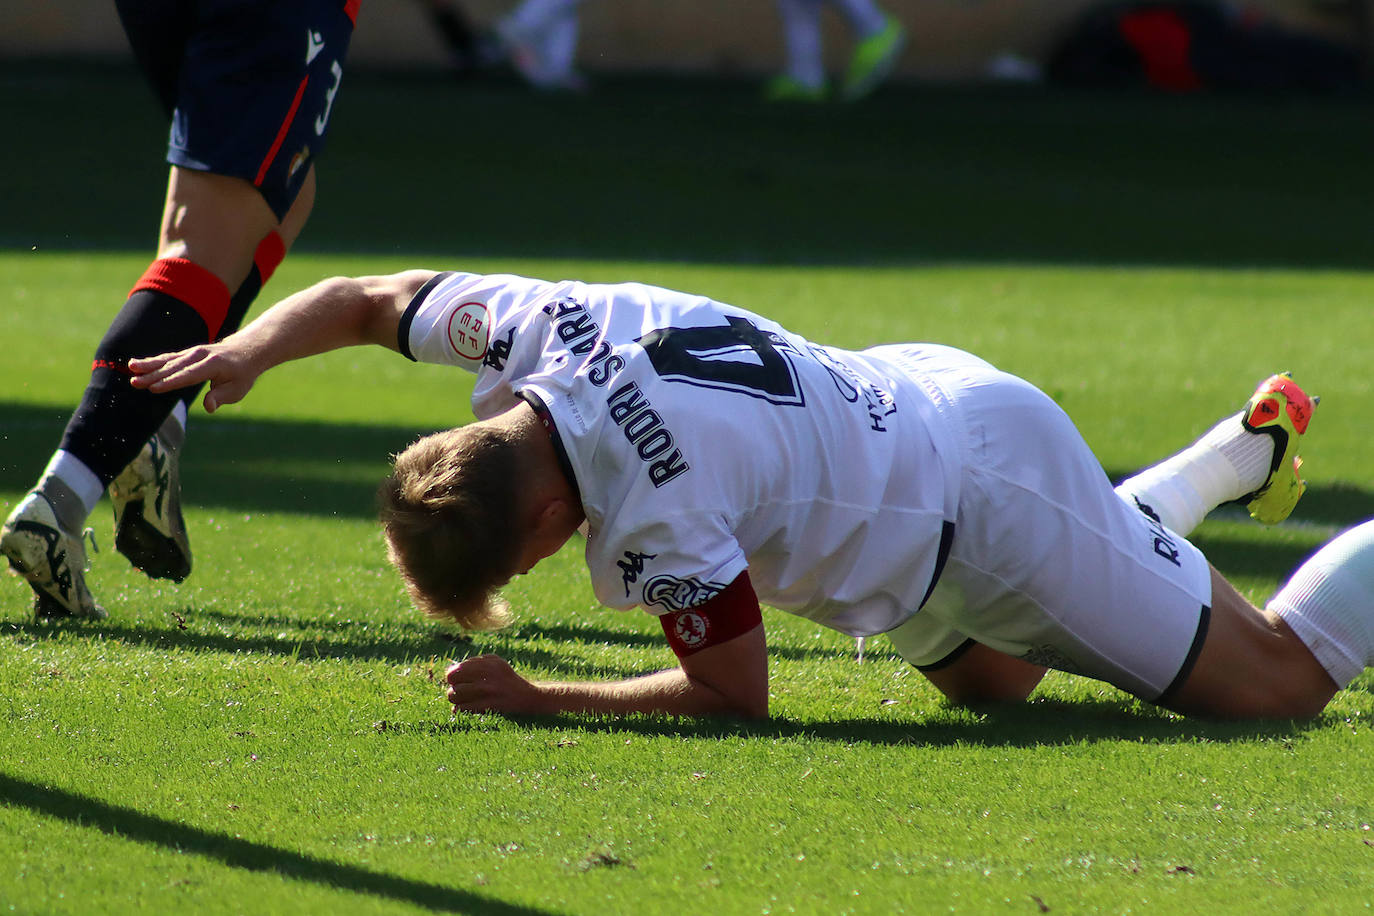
(706,439)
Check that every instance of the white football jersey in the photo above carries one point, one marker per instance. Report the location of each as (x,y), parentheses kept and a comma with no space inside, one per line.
(706,440)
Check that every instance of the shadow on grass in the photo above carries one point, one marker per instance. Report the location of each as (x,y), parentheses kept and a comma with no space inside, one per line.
(310,468)
(128,824)
(1038,723)
(307,640)
(333,469)
(595,635)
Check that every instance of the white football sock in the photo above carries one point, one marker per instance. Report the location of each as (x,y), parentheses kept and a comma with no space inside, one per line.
(1225,464)
(801,35)
(178,415)
(1329,603)
(72,488)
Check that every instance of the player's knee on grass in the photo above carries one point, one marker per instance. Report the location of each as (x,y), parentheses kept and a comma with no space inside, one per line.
(979,675)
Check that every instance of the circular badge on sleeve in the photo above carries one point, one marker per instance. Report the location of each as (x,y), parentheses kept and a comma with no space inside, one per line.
(469,330)
(691,628)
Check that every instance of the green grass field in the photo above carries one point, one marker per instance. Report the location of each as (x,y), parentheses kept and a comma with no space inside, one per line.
(271,736)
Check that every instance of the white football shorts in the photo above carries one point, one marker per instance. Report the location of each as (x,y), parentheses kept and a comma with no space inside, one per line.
(1048,563)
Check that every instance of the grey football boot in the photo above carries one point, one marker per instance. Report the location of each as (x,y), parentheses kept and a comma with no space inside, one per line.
(50,557)
(149,528)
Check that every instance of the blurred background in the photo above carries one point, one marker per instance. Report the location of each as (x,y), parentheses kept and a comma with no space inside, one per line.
(948,40)
(1058,131)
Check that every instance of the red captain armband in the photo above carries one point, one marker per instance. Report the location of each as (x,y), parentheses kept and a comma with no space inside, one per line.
(732,612)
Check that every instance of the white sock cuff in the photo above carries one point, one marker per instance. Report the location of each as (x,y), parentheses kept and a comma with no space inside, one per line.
(1249,454)
(179,414)
(72,471)
(1329,603)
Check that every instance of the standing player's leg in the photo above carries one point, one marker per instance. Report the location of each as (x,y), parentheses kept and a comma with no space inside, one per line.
(879,42)
(540,38)
(233,178)
(182,298)
(803,75)
(146,494)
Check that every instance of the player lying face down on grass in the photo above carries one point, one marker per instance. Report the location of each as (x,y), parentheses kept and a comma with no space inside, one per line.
(716,459)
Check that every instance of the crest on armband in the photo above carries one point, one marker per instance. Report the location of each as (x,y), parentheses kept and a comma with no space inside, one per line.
(691,629)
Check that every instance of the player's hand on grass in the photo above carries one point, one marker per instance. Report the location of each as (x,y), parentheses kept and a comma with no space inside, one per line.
(487,683)
(229,373)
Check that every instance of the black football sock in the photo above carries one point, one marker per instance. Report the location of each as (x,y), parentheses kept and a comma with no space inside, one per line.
(176,304)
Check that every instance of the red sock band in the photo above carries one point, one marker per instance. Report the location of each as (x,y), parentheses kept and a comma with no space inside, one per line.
(192,284)
(271,251)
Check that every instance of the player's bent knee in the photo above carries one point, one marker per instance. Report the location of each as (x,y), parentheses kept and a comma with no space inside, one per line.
(1252,666)
(982,676)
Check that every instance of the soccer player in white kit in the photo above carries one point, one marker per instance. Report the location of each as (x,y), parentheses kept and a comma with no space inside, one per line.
(716,459)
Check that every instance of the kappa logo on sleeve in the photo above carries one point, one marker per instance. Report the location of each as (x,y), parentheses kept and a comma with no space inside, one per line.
(499,352)
(679,594)
(632,566)
(469,330)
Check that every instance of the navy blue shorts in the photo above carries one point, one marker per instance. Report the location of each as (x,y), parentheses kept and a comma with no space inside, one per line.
(250,85)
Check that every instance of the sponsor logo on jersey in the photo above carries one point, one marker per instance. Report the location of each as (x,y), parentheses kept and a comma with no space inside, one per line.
(632,566)
(468,330)
(645,430)
(679,594)
(854,388)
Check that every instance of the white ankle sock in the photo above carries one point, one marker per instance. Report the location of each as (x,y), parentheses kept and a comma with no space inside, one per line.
(178,415)
(80,482)
(1329,603)
(1225,464)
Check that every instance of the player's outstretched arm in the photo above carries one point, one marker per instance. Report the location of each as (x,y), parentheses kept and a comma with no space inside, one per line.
(727,679)
(335,313)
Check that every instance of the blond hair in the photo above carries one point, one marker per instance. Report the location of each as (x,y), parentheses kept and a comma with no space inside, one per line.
(450,513)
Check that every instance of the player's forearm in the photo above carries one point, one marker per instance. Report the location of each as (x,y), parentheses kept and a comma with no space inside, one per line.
(332,314)
(670,692)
